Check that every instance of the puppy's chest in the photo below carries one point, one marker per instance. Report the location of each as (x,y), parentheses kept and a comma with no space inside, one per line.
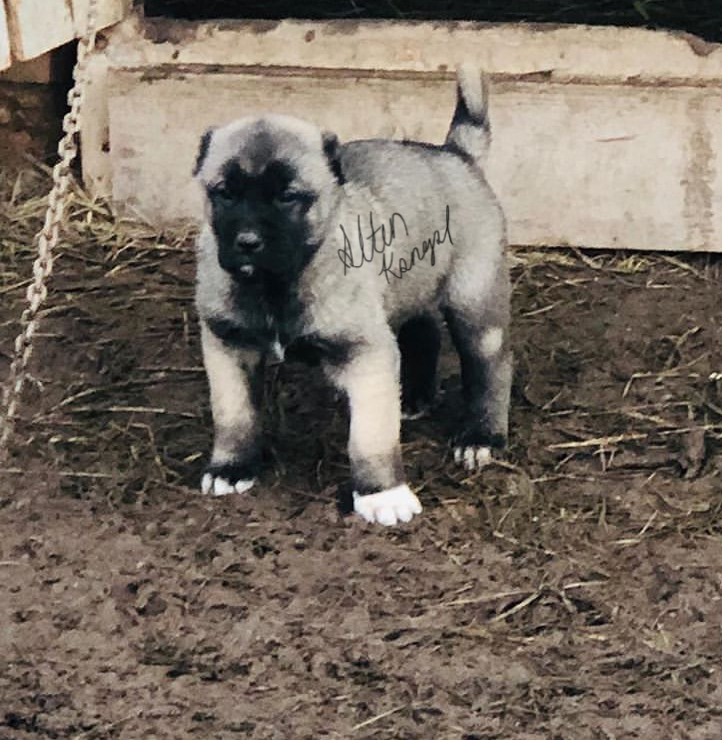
(274,320)
(285,343)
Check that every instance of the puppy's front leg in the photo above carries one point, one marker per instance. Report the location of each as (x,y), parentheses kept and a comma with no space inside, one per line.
(235,379)
(370,378)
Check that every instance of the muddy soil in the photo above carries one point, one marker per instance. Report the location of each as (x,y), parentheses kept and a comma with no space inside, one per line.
(572,591)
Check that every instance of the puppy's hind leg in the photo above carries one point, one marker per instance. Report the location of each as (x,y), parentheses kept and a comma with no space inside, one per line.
(235,379)
(370,377)
(480,338)
(419,341)
(486,373)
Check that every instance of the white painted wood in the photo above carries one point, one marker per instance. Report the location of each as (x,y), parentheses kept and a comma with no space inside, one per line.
(561,53)
(5,58)
(94,128)
(37,26)
(602,137)
(109,12)
(597,166)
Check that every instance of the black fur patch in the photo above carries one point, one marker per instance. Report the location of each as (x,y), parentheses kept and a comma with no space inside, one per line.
(271,305)
(313,349)
(237,336)
(260,333)
(419,341)
(203,147)
(473,366)
(331,150)
(274,178)
(270,310)
(475,435)
(475,377)
(268,206)
(344,498)
(380,475)
(245,469)
(462,114)
(440,149)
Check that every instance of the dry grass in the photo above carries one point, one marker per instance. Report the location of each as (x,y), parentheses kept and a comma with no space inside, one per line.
(121,308)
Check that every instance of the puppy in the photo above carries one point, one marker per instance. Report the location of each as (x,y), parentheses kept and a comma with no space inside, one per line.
(352,253)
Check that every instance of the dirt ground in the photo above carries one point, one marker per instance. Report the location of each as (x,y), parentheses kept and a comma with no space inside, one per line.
(571,592)
(30,120)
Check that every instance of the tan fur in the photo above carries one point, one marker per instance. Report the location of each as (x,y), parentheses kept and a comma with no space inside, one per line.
(371,383)
(233,413)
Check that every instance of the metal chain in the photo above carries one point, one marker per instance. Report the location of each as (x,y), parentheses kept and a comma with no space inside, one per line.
(47,238)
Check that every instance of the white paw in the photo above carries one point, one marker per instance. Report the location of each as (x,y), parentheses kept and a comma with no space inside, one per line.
(398,504)
(214,485)
(472,458)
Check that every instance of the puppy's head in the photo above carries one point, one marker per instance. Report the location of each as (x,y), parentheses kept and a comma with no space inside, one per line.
(270,185)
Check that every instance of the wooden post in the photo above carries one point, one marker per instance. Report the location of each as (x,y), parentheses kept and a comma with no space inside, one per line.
(4,39)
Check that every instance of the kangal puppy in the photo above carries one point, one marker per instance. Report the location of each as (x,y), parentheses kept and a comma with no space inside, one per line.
(353,253)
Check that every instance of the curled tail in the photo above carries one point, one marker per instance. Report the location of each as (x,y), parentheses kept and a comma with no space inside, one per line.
(469,132)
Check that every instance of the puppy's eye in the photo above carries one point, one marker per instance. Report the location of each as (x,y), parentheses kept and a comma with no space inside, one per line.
(221,193)
(289,197)
(300,198)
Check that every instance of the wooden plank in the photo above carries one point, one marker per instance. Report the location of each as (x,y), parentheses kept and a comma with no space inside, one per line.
(603,136)
(38,70)
(38,26)
(558,53)
(109,12)
(555,54)
(5,57)
(573,163)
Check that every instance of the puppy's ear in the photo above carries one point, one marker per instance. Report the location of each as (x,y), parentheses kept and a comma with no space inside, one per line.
(331,149)
(203,150)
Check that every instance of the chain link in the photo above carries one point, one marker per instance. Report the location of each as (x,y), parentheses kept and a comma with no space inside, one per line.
(48,236)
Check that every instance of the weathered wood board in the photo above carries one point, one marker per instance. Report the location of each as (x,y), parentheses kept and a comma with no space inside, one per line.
(573,164)
(602,137)
(37,26)
(5,57)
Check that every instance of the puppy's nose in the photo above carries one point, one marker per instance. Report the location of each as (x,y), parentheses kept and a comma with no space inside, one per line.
(249,242)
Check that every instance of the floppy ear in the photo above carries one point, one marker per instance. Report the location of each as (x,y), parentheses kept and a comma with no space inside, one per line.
(331,150)
(203,150)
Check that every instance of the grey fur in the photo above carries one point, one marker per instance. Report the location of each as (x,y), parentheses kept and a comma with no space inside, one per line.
(443,199)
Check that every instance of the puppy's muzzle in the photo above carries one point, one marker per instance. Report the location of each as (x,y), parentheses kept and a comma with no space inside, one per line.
(240,258)
(248,243)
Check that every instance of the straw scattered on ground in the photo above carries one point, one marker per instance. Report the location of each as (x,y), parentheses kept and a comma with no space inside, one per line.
(571,591)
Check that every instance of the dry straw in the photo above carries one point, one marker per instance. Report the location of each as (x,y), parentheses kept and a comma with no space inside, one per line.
(48,236)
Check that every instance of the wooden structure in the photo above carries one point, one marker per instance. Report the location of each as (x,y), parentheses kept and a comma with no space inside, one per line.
(29,28)
(603,137)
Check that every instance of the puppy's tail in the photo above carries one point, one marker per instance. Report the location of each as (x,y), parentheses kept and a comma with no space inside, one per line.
(469,132)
